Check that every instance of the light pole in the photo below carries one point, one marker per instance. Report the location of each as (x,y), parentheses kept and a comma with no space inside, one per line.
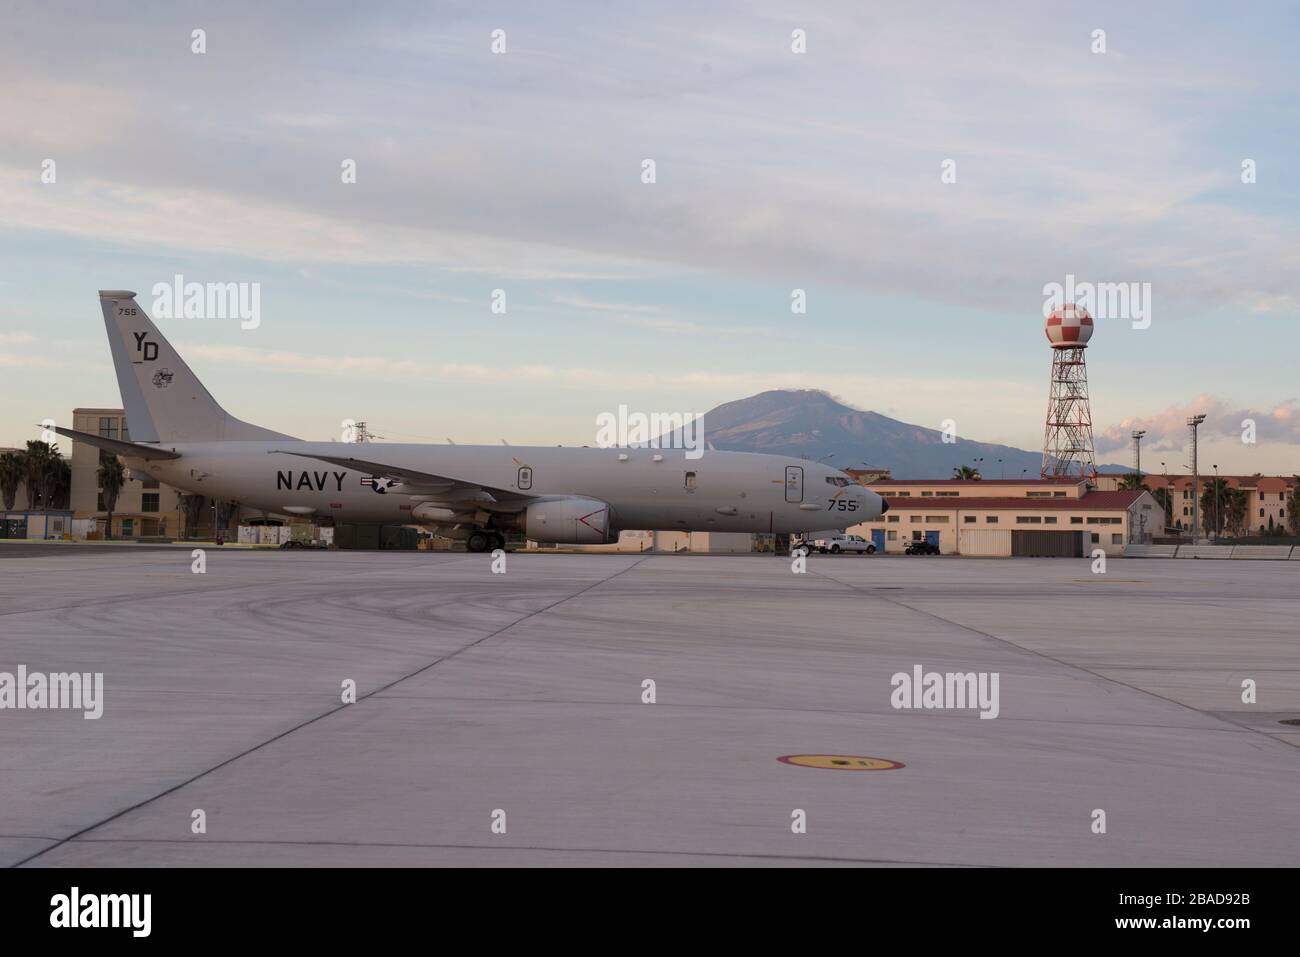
(1137,451)
(1002,470)
(1217,491)
(1169,496)
(1194,423)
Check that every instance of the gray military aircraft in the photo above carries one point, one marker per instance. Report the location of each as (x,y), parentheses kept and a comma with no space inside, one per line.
(475,493)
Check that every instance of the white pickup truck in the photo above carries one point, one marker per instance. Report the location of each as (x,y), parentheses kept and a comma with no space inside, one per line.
(842,542)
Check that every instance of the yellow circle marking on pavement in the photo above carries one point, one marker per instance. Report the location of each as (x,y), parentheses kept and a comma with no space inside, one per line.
(841,762)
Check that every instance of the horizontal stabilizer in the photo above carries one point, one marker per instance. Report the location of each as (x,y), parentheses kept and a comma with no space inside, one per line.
(132,450)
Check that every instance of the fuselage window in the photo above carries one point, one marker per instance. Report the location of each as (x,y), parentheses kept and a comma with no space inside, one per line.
(690,480)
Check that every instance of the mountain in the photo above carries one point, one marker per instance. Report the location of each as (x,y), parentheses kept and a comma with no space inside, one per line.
(811,424)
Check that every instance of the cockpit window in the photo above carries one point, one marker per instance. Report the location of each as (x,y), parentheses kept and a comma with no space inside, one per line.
(838,481)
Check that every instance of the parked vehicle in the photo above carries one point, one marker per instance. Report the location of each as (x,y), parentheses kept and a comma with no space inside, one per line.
(921,547)
(844,543)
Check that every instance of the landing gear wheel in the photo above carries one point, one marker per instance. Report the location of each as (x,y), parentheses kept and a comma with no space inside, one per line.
(498,541)
(477,542)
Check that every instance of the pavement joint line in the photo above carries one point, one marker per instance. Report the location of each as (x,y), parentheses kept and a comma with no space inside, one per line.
(320,717)
(1060,661)
(528,847)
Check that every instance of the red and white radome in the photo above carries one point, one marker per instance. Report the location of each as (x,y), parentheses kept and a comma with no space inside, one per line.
(1069,326)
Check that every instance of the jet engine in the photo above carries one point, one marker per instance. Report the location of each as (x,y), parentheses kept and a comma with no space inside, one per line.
(570,521)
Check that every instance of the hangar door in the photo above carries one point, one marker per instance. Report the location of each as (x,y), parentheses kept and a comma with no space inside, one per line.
(1054,544)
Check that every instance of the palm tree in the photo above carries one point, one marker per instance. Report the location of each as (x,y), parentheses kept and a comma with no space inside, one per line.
(191,508)
(1132,482)
(12,471)
(967,473)
(112,476)
(40,463)
(1237,511)
(1166,500)
(1213,500)
(60,481)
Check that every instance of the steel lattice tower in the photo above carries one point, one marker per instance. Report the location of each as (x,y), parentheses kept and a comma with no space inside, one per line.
(1067,437)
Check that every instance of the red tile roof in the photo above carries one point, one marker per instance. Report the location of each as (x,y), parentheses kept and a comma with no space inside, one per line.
(1268,483)
(1093,500)
(912,483)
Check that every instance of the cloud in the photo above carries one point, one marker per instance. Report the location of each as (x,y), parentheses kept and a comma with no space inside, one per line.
(817,169)
(1169,429)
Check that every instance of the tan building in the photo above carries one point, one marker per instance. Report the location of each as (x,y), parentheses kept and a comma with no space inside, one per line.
(144,507)
(1011,517)
(1267,498)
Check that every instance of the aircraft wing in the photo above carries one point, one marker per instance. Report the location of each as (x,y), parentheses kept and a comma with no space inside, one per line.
(421,483)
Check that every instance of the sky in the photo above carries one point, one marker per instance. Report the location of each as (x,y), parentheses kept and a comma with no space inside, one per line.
(920,171)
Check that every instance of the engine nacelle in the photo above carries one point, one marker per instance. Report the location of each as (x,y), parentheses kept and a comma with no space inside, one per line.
(570,521)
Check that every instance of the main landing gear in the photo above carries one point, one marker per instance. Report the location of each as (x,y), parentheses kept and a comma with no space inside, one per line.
(484,541)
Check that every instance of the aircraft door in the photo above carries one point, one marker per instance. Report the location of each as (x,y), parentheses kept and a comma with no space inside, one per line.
(794,483)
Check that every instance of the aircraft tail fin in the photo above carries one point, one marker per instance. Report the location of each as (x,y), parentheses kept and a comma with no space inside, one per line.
(164,401)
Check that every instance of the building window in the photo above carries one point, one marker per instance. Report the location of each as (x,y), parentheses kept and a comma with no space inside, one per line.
(149,502)
(968,519)
(1076,520)
(891,535)
(1117,539)
(1049,520)
(893,518)
(990,519)
(937,519)
(914,518)
(1095,538)
(1029,520)
(107,428)
(1058,495)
